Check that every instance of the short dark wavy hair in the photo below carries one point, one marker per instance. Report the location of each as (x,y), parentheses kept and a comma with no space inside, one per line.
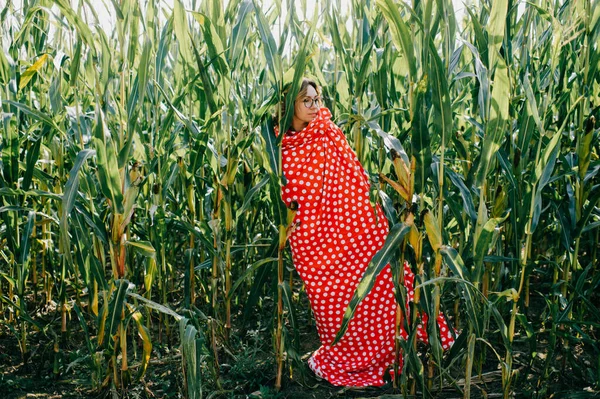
(302,92)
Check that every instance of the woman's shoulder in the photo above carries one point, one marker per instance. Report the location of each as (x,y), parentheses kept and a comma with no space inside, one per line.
(323,119)
(325,113)
(328,122)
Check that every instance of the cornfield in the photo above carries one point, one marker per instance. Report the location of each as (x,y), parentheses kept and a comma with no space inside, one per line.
(142,227)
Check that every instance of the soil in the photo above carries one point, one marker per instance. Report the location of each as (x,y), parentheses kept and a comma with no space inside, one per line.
(247,367)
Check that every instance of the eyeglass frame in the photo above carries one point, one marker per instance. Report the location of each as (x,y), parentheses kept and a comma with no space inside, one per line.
(312,101)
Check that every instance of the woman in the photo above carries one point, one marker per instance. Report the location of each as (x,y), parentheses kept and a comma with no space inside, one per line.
(337,233)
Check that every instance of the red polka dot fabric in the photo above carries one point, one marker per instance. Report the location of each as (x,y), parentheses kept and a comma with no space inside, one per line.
(337,232)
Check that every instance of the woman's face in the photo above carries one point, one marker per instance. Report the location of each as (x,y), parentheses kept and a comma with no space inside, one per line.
(305,108)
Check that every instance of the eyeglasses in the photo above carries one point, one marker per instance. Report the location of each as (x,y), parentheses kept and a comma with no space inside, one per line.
(309,102)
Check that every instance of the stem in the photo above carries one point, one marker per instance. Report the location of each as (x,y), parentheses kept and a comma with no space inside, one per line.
(56,365)
(469,366)
(400,309)
(78,119)
(228,286)
(215,265)
(485,282)
(123,342)
(441,187)
(397,353)
(215,274)
(23,343)
(192,272)
(44,276)
(278,335)
(215,350)
(192,220)
(34,274)
(11,290)
(430,372)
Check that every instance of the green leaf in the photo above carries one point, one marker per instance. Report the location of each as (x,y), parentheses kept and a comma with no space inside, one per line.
(390,141)
(483,241)
(497,125)
(146,344)
(287,300)
(543,172)
(5,191)
(13,208)
(108,171)
(182,33)
(421,144)
(216,50)
(144,248)
(440,96)
(466,289)
(250,195)
(38,115)
(78,23)
(432,228)
(23,268)
(268,44)
(163,51)
(207,83)
(279,208)
(26,239)
(465,193)
(532,106)
(32,70)
(401,35)
(507,169)
(248,272)
(68,198)
(10,150)
(379,261)
(116,308)
(455,262)
(97,271)
(136,101)
(208,245)
(334,26)
(541,11)
(191,351)
(592,202)
(4,69)
(83,324)
(481,39)
(483,91)
(75,63)
(156,306)
(239,34)
(299,67)
(495,29)
(270,146)
(584,150)
(189,124)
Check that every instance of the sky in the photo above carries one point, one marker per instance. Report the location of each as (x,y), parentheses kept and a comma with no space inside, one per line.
(106,13)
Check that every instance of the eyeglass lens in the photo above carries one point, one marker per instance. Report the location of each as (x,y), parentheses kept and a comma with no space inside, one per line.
(309,102)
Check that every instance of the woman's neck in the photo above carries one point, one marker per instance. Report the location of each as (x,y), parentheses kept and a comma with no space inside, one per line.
(298,125)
